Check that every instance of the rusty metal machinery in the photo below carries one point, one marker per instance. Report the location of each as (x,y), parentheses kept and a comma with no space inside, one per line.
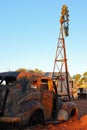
(60,70)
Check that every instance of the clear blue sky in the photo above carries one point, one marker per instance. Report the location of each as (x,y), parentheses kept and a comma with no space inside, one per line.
(29,31)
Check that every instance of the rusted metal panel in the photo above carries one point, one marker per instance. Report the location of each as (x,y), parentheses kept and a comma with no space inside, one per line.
(28,93)
(10,120)
(47,101)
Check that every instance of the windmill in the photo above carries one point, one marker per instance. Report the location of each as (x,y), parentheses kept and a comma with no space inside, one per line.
(60,62)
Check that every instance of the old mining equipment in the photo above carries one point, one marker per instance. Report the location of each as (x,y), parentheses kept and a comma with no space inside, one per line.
(60,70)
(29,98)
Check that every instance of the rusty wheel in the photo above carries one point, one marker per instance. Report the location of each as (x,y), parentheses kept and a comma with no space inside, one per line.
(37,118)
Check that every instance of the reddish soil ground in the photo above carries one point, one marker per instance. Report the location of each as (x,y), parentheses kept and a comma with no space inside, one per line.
(80,124)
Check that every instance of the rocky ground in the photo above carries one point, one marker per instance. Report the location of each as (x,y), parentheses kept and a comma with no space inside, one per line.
(80,124)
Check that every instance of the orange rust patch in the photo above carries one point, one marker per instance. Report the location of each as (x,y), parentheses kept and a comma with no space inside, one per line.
(23,74)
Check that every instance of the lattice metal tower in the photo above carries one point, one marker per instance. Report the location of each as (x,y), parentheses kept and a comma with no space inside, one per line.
(60,64)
